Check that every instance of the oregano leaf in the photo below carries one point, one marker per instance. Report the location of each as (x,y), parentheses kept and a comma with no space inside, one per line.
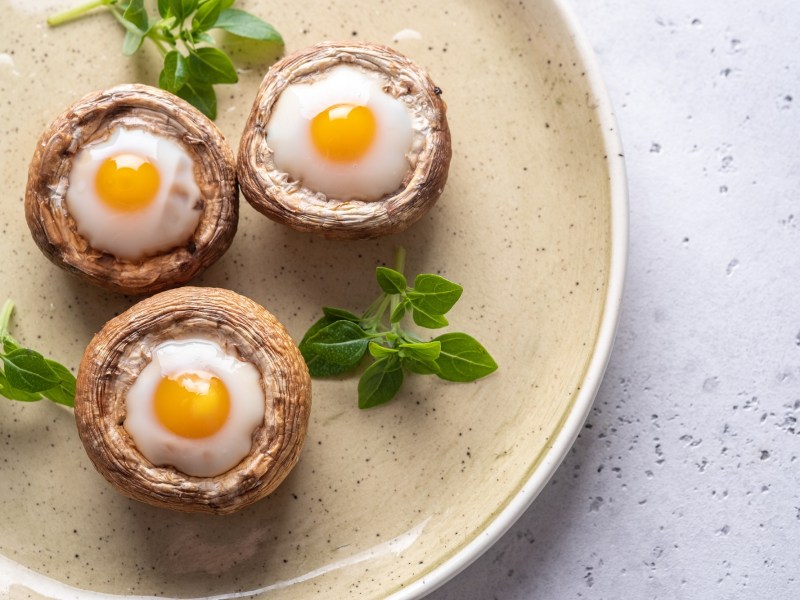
(164,8)
(27,371)
(390,280)
(200,95)
(420,367)
(421,350)
(9,391)
(211,65)
(318,366)
(463,358)
(425,319)
(380,351)
(341,314)
(380,382)
(136,14)
(398,312)
(206,15)
(342,342)
(182,8)
(132,42)
(243,24)
(175,72)
(434,294)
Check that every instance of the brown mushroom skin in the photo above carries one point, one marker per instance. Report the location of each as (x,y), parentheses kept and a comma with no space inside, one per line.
(274,194)
(92,119)
(120,351)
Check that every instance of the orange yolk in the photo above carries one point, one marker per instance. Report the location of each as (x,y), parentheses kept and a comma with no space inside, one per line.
(127,182)
(343,132)
(192,405)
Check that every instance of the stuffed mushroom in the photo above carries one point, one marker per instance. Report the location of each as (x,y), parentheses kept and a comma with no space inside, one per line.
(349,140)
(195,399)
(132,189)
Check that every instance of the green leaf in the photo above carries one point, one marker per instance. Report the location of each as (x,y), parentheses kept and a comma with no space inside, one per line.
(211,65)
(206,15)
(318,366)
(398,312)
(427,351)
(342,342)
(9,345)
(135,13)
(227,3)
(380,382)
(433,294)
(64,375)
(10,392)
(425,319)
(201,96)
(164,8)
(243,24)
(64,392)
(131,42)
(391,281)
(420,367)
(182,8)
(28,371)
(340,314)
(175,72)
(203,37)
(462,358)
(379,351)
(60,395)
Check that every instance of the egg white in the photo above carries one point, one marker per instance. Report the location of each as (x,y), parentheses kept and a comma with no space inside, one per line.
(379,172)
(200,457)
(166,223)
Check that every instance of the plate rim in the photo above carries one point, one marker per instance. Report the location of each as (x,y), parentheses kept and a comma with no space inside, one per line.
(570,427)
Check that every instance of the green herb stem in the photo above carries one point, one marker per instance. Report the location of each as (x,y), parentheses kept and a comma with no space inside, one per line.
(373,308)
(156,40)
(399,259)
(376,317)
(5,317)
(76,12)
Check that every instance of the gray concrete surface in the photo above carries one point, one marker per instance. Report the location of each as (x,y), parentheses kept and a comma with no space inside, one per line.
(685,480)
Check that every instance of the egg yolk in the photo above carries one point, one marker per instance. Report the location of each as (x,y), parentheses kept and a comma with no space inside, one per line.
(127,182)
(192,405)
(343,132)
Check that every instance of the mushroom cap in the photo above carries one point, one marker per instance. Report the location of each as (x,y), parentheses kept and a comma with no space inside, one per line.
(273,193)
(245,330)
(92,119)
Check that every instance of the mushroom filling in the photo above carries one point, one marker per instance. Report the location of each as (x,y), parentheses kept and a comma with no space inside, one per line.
(195,407)
(134,194)
(342,135)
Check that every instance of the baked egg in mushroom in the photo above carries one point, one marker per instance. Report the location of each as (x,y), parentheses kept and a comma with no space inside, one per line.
(132,189)
(349,140)
(195,399)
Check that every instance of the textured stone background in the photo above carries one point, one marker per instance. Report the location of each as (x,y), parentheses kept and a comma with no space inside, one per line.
(685,481)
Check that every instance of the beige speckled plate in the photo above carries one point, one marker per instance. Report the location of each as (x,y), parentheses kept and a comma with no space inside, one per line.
(393,500)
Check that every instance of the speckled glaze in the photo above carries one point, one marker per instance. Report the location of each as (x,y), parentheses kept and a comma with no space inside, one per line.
(384,502)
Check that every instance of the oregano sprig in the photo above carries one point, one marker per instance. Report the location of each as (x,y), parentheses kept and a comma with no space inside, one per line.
(338,341)
(192,62)
(26,375)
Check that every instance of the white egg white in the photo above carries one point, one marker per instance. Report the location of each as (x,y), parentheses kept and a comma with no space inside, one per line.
(166,223)
(379,172)
(201,457)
